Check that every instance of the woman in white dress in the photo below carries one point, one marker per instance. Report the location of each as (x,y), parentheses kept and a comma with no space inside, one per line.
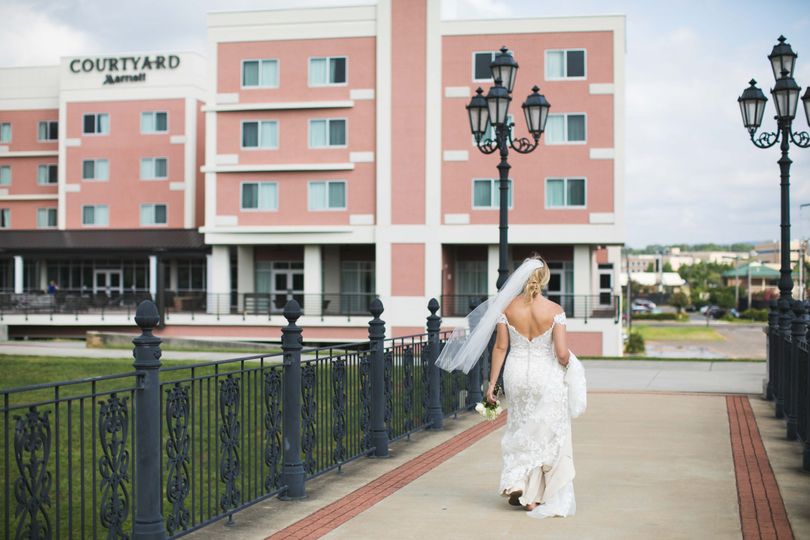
(538,466)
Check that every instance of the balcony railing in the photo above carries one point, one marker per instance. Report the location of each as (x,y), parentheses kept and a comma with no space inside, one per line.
(71,302)
(576,306)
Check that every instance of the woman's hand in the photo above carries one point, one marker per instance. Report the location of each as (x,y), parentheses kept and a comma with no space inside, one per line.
(490,396)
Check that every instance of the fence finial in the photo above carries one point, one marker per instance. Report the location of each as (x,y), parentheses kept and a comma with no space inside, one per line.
(433,306)
(147,316)
(376,308)
(292,311)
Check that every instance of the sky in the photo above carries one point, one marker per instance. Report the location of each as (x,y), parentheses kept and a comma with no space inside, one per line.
(691,176)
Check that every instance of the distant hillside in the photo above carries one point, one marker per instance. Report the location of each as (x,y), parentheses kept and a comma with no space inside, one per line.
(657,248)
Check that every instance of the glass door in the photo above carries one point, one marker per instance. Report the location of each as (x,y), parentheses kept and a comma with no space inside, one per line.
(108,283)
(286,283)
(561,285)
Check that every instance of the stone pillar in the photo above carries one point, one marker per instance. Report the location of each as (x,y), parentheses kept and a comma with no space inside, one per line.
(153,277)
(219,280)
(43,275)
(173,278)
(18,274)
(246,278)
(313,281)
(492,269)
(582,280)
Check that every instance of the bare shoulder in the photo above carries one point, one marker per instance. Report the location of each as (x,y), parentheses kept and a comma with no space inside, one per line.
(550,307)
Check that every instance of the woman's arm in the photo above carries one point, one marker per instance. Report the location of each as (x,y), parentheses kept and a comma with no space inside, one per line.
(560,344)
(498,356)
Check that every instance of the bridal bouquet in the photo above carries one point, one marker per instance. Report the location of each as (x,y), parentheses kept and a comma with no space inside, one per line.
(488,410)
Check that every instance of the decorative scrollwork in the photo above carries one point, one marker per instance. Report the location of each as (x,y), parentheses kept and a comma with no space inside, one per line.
(272,429)
(365,400)
(801,139)
(388,377)
(766,139)
(487,146)
(522,145)
(426,364)
(178,442)
(407,383)
(32,450)
(309,411)
(339,408)
(113,423)
(229,465)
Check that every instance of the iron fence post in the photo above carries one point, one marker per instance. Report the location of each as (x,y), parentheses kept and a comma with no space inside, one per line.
(292,473)
(148,521)
(474,391)
(798,330)
(434,323)
(376,335)
(773,331)
(785,320)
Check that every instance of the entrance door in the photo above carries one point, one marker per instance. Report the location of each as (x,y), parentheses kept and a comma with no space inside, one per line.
(108,283)
(561,284)
(286,283)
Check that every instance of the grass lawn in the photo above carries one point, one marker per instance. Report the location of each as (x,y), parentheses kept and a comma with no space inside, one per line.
(677,333)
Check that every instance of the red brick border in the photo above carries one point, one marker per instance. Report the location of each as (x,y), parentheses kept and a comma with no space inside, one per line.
(332,516)
(762,512)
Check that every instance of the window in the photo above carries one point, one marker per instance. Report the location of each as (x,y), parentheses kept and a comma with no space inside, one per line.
(154,168)
(262,134)
(48,131)
(97,124)
(5,175)
(330,195)
(5,218)
(606,284)
(46,218)
(565,64)
(486,193)
(95,169)
(259,196)
(325,71)
(95,215)
(565,128)
(153,214)
(260,73)
(481,62)
(5,132)
(154,122)
(47,174)
(565,193)
(327,132)
(190,275)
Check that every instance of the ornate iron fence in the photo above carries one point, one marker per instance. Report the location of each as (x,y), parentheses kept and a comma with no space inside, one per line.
(788,384)
(164,450)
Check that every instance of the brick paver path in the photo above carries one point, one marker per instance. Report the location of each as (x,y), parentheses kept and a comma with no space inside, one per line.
(762,512)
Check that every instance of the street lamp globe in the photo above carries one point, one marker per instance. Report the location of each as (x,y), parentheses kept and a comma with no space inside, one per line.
(806,103)
(504,67)
(752,106)
(782,59)
(786,96)
(479,114)
(536,108)
(498,100)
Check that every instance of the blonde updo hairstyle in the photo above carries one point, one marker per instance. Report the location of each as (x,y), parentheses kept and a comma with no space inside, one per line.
(537,281)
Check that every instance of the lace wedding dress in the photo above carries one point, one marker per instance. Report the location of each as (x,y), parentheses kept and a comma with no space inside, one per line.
(537,453)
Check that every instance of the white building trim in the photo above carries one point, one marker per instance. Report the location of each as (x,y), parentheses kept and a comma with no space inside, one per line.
(30,153)
(279,167)
(279,106)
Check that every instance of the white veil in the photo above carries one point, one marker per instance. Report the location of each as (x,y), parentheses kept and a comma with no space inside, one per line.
(468,341)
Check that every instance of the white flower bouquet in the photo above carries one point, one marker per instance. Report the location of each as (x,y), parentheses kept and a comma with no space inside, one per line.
(491,411)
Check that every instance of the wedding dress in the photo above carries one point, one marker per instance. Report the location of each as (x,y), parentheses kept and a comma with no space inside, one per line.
(536,446)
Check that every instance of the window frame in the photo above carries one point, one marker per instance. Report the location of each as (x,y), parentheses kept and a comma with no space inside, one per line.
(565,205)
(565,129)
(257,209)
(164,132)
(259,147)
(48,129)
(258,86)
(8,221)
(328,146)
(49,165)
(97,133)
(154,205)
(48,210)
(94,215)
(565,63)
(494,193)
(327,58)
(10,132)
(328,208)
(95,179)
(10,175)
(153,178)
(492,57)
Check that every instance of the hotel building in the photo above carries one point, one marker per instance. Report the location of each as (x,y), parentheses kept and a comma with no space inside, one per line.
(324,155)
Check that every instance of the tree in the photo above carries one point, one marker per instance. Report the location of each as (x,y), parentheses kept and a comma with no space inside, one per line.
(679,300)
(723,297)
(650,267)
(668,267)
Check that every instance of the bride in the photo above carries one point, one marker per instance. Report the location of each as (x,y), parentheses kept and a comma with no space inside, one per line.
(540,376)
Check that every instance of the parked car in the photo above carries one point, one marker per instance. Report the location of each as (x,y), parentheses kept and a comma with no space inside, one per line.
(642,305)
(716,312)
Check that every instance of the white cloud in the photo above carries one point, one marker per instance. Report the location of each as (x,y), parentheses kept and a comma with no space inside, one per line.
(32,37)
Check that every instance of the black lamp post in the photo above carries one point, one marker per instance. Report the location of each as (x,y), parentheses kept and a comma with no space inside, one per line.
(493,110)
(752,106)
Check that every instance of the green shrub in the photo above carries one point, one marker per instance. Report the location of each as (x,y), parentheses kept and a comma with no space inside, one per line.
(660,317)
(755,314)
(635,343)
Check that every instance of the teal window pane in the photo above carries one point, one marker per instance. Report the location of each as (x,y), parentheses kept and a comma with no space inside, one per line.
(317,195)
(269,135)
(317,133)
(555,193)
(102,169)
(250,196)
(89,167)
(161,168)
(337,70)
(5,175)
(103,123)
(554,64)
(337,195)
(575,64)
(317,71)
(337,132)
(576,192)
(88,215)
(482,193)
(5,132)
(555,128)
(269,75)
(576,127)
(268,196)
(250,73)
(147,122)
(250,134)
(160,214)
(161,121)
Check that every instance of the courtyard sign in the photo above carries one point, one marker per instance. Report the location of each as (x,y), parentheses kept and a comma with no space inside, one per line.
(111,67)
